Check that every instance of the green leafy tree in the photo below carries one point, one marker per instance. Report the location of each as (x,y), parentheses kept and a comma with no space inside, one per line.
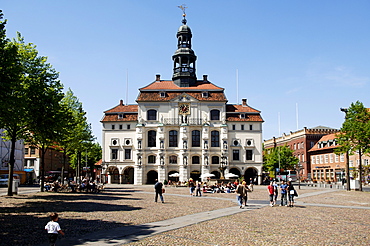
(43,94)
(354,135)
(12,100)
(78,134)
(282,157)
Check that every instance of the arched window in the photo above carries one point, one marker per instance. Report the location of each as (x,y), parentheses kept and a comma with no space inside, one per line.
(215,114)
(173,138)
(195,160)
(152,138)
(215,139)
(152,114)
(195,138)
(215,160)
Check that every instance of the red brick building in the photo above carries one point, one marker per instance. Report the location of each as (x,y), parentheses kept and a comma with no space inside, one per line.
(301,142)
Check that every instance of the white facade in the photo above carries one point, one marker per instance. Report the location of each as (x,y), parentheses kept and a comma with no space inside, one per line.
(129,149)
(182,126)
(5,148)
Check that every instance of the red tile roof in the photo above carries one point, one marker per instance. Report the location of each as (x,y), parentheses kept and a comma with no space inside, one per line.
(114,117)
(170,85)
(325,138)
(240,108)
(122,109)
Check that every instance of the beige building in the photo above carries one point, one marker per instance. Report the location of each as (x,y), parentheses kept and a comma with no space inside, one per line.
(182,127)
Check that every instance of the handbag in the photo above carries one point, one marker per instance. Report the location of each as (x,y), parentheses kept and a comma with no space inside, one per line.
(163,190)
(295,193)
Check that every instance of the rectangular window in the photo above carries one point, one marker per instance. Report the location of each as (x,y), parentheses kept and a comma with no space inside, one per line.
(120,127)
(128,127)
(233,127)
(250,127)
(152,138)
(114,154)
(127,154)
(32,163)
(172,138)
(33,151)
(151,159)
(341,157)
(173,159)
(26,151)
(242,127)
(113,127)
(313,159)
(215,139)
(326,158)
(336,158)
(236,155)
(249,154)
(195,138)
(302,157)
(331,158)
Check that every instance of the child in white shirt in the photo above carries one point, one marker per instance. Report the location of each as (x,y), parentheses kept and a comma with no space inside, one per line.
(53,228)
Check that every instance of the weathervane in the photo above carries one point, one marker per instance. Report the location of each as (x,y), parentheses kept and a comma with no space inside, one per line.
(183,7)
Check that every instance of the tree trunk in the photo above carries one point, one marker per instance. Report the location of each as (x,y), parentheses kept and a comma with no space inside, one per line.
(347,172)
(360,170)
(42,168)
(11,164)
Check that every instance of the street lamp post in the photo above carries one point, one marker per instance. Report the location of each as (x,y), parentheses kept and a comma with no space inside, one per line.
(345,110)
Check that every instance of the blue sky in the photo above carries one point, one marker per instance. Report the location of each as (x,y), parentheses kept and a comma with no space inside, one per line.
(311,55)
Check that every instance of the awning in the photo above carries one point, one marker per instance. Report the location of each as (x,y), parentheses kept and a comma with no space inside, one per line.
(28,170)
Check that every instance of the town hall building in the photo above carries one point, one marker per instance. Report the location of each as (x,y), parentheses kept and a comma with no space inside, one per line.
(180,129)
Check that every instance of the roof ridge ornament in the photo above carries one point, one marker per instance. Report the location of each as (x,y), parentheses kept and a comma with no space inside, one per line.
(183,8)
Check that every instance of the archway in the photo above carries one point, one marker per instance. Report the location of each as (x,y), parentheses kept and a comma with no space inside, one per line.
(235,171)
(217,174)
(151,177)
(251,173)
(114,175)
(195,175)
(128,176)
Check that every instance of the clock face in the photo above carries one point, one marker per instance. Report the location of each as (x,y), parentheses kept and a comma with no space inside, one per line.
(184,108)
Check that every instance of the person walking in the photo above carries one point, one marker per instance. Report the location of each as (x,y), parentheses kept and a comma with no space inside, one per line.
(245,197)
(158,191)
(53,228)
(283,193)
(276,191)
(198,188)
(271,190)
(191,187)
(242,195)
(291,193)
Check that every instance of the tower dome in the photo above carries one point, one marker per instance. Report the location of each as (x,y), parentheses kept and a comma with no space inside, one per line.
(184,58)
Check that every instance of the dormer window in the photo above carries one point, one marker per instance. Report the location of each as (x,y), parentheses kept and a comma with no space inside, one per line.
(205,94)
(242,116)
(162,94)
(120,116)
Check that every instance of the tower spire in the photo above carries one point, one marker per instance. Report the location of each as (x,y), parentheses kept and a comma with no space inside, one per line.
(183,8)
(184,57)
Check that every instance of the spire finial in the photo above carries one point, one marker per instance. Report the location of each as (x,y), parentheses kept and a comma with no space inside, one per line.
(183,8)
